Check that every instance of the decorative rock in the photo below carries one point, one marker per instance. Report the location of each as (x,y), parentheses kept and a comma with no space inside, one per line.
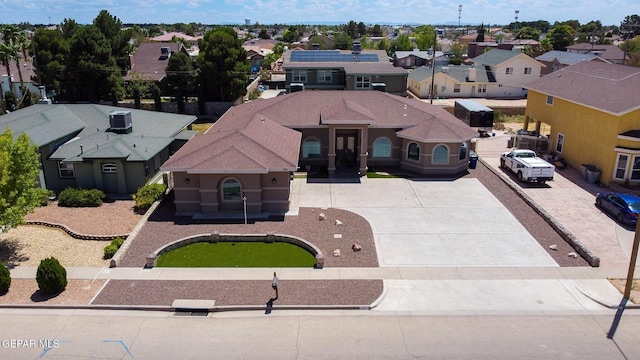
(336,252)
(322,217)
(573,255)
(356,247)
(338,222)
(553,247)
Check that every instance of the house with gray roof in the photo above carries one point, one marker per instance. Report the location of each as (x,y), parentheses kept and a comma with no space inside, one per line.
(247,158)
(95,146)
(494,74)
(416,58)
(611,53)
(343,70)
(555,59)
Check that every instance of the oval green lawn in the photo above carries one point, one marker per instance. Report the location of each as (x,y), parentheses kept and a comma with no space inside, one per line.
(237,254)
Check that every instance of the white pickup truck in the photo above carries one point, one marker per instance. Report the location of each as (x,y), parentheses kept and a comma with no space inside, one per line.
(527,166)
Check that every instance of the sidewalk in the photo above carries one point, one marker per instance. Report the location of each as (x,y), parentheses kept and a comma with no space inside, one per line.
(434,290)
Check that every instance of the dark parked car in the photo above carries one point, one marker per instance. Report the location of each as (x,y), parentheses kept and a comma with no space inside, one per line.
(624,207)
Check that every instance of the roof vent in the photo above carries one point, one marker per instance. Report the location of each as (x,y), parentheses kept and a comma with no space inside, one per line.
(165,52)
(120,122)
(356,48)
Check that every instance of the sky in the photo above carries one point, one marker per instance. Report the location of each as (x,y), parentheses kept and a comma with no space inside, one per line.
(609,12)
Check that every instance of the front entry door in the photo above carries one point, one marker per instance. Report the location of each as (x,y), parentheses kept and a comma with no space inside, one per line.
(346,149)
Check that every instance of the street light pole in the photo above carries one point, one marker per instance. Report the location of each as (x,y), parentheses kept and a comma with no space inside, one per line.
(244,203)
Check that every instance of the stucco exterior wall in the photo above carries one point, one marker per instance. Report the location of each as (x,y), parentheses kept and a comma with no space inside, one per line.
(590,136)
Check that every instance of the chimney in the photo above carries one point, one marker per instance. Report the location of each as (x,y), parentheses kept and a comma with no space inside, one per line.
(472,74)
(356,48)
(43,96)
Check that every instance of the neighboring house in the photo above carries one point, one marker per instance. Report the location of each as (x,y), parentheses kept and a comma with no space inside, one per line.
(249,155)
(168,37)
(508,72)
(12,83)
(450,82)
(611,53)
(416,58)
(151,59)
(344,70)
(494,74)
(593,109)
(256,55)
(555,59)
(478,48)
(96,146)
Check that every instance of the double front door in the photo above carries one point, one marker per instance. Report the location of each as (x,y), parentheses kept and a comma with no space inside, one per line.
(346,149)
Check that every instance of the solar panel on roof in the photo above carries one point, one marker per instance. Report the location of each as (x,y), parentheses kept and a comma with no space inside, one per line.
(331,56)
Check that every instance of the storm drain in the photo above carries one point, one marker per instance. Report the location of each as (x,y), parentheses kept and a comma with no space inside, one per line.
(192,307)
(195,313)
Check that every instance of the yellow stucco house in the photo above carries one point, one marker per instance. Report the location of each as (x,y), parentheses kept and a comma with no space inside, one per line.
(593,109)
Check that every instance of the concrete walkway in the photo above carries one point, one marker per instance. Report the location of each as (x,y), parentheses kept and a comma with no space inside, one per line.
(451,290)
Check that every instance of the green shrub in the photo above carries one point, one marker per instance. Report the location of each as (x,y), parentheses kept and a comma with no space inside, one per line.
(111,249)
(43,196)
(72,197)
(117,242)
(5,279)
(146,195)
(51,276)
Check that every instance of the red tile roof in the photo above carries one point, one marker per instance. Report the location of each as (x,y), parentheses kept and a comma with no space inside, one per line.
(608,87)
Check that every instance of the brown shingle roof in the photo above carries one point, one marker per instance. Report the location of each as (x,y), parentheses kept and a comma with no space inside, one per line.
(149,62)
(607,87)
(260,146)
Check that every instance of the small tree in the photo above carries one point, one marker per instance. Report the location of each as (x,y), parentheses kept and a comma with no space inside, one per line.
(5,279)
(51,276)
(19,168)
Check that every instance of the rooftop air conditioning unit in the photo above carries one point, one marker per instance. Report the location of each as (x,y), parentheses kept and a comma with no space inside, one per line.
(120,122)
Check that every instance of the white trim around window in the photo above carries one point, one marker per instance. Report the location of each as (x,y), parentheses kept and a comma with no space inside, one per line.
(620,171)
(560,143)
(325,76)
(549,100)
(109,168)
(231,189)
(363,82)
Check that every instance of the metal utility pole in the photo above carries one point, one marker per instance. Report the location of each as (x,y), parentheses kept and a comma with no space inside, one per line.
(433,63)
(459,14)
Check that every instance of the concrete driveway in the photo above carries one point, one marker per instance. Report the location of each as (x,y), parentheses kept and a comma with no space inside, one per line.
(415,223)
(570,200)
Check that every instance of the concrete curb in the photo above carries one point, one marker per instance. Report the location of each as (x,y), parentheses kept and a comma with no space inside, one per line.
(606,303)
(580,248)
(221,308)
(129,239)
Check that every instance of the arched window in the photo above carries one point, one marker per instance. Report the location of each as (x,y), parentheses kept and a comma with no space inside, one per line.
(440,155)
(413,152)
(463,151)
(311,148)
(231,190)
(382,148)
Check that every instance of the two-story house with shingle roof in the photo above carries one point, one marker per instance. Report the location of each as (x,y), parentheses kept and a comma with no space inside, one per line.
(247,157)
(151,59)
(593,109)
(494,74)
(344,70)
(95,146)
